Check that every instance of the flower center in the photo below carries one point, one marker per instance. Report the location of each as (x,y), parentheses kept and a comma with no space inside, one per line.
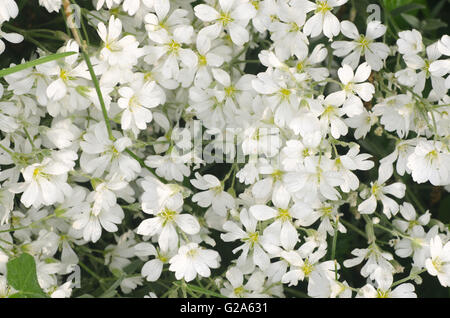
(322,7)
(432,155)
(348,88)
(192,253)
(113,150)
(167,215)
(230,90)
(294,27)
(174,47)
(307,268)
(133,103)
(225,18)
(276,175)
(437,263)
(37,172)
(252,238)
(63,75)
(375,189)
(202,60)
(363,42)
(329,110)
(283,215)
(300,66)
(239,291)
(326,210)
(285,93)
(382,293)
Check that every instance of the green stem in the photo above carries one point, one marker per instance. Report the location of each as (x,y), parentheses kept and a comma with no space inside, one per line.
(412,276)
(143,165)
(92,273)
(333,249)
(11,153)
(371,238)
(393,232)
(29,138)
(85,55)
(26,36)
(353,228)
(99,93)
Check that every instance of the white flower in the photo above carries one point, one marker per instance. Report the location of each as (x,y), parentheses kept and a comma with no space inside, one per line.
(331,120)
(165,223)
(362,122)
(235,287)
(287,32)
(101,154)
(377,260)
(397,114)
(280,95)
(209,56)
(172,166)
(213,195)
(401,291)
(69,76)
(417,63)
(171,51)
(51,5)
(152,269)
(131,6)
(375,53)
(10,37)
(352,161)
(233,16)
(402,151)
(323,19)
(8,10)
(354,89)
(305,263)
(91,222)
(122,52)
(430,161)
(378,191)
(136,101)
(109,3)
(416,244)
(63,133)
(161,24)
(410,42)
(439,262)
(253,242)
(309,64)
(315,179)
(46,182)
(444,45)
(282,228)
(410,221)
(193,260)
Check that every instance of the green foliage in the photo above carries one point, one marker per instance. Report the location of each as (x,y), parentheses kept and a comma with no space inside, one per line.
(22,276)
(33,63)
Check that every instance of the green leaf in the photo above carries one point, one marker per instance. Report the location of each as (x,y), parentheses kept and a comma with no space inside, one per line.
(26,295)
(21,274)
(391,5)
(111,291)
(42,60)
(204,291)
(413,21)
(433,24)
(407,8)
(438,7)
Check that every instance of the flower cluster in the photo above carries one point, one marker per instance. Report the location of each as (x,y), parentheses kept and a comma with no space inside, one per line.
(163,135)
